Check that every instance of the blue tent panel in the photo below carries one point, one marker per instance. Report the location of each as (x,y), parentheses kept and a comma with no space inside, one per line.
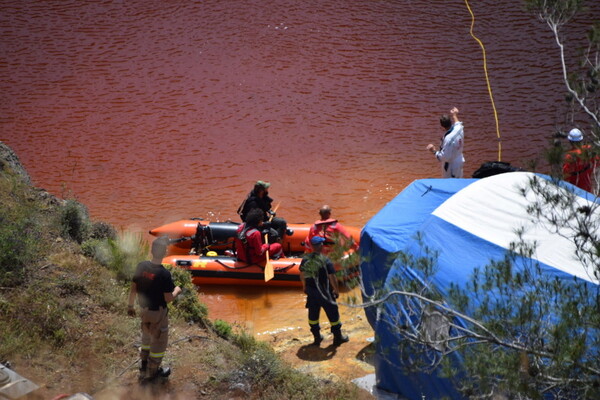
(470,222)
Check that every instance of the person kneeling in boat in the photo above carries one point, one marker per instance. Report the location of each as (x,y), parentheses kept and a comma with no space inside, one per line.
(320,285)
(331,230)
(249,244)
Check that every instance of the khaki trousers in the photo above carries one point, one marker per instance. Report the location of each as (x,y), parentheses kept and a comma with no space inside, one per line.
(155,336)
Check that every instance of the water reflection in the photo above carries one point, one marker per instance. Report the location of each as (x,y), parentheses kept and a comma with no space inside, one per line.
(150,112)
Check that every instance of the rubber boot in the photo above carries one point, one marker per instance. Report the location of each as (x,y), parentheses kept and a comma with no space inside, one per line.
(339,338)
(143,369)
(318,338)
(156,373)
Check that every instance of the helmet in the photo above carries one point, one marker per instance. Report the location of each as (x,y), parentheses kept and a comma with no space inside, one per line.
(575,135)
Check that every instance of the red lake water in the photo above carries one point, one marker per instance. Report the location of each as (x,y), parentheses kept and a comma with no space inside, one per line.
(151,111)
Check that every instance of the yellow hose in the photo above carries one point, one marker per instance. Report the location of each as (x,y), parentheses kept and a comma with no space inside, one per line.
(487,79)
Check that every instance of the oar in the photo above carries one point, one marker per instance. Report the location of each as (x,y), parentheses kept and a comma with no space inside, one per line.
(269,271)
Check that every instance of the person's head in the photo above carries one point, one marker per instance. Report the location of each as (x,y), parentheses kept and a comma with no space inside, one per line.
(575,136)
(317,243)
(159,247)
(446,121)
(325,212)
(255,217)
(261,188)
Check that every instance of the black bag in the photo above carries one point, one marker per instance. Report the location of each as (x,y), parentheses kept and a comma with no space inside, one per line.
(490,168)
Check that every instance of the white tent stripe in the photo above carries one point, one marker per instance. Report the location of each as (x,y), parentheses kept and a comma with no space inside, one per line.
(492,207)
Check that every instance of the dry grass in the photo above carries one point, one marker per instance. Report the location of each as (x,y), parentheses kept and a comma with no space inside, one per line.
(64,322)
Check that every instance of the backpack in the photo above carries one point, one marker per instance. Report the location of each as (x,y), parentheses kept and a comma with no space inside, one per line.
(243,238)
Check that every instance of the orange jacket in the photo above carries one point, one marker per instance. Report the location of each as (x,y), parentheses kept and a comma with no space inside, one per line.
(329,229)
(579,167)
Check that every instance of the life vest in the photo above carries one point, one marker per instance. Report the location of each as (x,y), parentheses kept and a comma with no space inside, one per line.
(579,167)
(242,246)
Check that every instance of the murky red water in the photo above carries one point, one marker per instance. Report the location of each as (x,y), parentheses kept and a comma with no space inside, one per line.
(150,111)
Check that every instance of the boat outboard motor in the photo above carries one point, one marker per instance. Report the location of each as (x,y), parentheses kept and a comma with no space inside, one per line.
(201,240)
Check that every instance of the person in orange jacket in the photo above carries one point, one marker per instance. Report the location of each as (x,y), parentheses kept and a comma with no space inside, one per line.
(580,164)
(330,229)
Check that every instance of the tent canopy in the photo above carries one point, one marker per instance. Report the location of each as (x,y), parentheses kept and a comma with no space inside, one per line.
(469,222)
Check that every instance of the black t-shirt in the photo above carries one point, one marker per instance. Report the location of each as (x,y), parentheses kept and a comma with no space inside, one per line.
(152,282)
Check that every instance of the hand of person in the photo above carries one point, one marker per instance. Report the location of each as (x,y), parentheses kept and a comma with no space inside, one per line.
(131,311)
(454,110)
(431,148)
(272,213)
(177,291)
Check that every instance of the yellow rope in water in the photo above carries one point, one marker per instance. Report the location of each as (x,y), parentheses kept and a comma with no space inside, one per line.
(487,79)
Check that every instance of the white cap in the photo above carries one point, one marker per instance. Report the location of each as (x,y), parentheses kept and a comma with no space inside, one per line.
(575,135)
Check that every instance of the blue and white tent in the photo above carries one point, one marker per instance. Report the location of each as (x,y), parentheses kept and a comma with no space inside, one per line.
(470,222)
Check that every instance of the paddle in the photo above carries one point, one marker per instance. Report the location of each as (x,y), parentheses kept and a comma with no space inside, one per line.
(269,271)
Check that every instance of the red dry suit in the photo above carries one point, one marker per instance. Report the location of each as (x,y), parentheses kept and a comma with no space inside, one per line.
(250,248)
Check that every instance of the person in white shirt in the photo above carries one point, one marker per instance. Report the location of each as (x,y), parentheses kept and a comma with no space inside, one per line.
(450,153)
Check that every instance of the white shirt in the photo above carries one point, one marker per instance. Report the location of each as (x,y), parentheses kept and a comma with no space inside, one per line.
(450,153)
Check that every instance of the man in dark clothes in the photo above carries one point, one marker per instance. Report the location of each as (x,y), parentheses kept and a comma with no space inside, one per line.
(257,198)
(320,285)
(153,284)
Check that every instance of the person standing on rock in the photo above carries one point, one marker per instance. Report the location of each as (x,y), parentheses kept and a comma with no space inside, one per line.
(154,287)
(320,285)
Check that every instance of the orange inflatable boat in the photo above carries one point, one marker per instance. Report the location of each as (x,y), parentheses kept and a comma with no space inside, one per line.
(223,270)
(205,249)
(199,235)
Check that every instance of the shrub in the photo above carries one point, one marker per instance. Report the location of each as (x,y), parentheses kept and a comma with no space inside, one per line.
(123,254)
(187,306)
(222,328)
(19,243)
(75,221)
(101,230)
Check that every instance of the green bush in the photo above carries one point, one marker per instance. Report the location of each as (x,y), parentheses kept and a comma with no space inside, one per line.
(102,230)
(20,243)
(187,306)
(91,247)
(75,221)
(222,328)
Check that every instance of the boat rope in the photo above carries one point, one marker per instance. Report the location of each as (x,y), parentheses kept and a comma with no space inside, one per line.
(487,79)
(240,267)
(284,268)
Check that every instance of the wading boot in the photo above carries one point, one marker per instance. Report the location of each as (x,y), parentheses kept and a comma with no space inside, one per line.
(339,338)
